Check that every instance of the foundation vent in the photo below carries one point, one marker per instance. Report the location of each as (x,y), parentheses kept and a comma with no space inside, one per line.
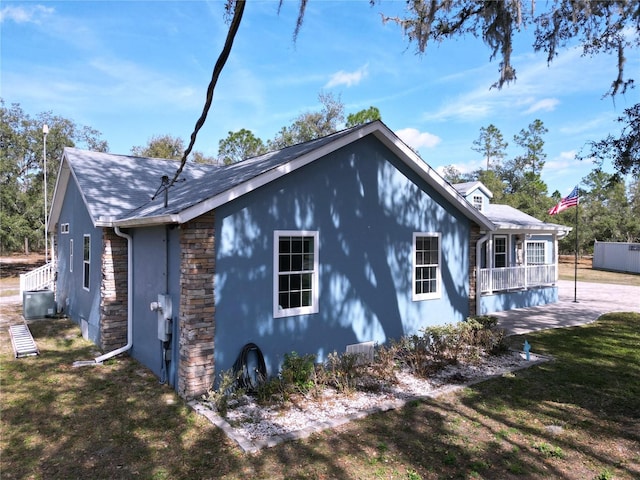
(364,350)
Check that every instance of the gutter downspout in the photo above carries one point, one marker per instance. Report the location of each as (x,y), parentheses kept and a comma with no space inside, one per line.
(481,240)
(129,344)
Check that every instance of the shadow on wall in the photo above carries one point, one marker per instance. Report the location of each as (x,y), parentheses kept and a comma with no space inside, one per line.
(366,205)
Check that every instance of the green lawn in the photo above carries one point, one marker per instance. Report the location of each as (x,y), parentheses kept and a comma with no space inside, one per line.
(577,417)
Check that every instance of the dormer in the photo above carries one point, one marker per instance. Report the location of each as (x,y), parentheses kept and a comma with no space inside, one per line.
(475,193)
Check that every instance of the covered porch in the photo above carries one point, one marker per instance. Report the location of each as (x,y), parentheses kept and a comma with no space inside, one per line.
(517,266)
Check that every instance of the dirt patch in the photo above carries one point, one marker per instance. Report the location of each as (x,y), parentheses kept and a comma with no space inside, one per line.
(14,265)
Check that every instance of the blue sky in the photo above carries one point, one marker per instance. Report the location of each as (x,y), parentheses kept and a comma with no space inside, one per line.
(135,69)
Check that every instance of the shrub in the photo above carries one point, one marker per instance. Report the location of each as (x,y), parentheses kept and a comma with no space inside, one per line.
(221,397)
(298,372)
(344,371)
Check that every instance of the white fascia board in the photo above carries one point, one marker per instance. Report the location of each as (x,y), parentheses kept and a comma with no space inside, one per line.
(143,221)
(512,228)
(58,193)
(432,177)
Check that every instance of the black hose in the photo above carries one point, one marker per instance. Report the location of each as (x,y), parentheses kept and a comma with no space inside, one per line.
(249,380)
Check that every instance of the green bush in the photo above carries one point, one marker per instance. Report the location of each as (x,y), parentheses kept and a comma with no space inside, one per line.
(298,372)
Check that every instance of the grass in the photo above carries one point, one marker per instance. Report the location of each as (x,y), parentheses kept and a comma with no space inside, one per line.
(567,271)
(117,421)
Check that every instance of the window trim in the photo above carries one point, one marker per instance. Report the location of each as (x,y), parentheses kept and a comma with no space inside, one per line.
(315,284)
(64,228)
(86,263)
(477,201)
(543,245)
(71,255)
(430,295)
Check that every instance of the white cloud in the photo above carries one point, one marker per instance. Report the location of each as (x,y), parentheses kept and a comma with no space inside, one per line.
(416,139)
(25,14)
(544,105)
(348,78)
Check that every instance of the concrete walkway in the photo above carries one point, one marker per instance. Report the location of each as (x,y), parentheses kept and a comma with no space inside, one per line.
(593,300)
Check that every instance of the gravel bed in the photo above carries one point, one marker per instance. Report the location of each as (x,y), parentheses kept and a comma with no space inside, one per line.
(256,423)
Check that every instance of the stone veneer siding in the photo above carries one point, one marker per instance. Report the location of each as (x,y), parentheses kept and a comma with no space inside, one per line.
(113,291)
(473,238)
(197,307)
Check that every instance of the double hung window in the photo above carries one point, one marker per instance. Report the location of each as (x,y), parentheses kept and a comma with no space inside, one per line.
(426,266)
(499,251)
(295,273)
(535,253)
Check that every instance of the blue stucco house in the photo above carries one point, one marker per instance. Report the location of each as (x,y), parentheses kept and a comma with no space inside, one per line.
(346,239)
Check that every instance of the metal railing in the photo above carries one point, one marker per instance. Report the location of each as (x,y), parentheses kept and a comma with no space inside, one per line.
(39,279)
(515,278)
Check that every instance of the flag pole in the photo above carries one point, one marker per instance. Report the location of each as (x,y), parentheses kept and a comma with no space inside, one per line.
(575,263)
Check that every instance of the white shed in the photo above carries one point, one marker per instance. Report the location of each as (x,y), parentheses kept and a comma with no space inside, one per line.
(617,256)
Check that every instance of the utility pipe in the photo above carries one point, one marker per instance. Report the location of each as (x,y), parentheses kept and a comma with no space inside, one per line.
(129,344)
(479,242)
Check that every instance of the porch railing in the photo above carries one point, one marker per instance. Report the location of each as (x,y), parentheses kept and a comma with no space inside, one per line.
(514,278)
(39,279)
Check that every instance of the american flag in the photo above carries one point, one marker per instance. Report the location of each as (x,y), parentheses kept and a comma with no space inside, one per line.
(570,200)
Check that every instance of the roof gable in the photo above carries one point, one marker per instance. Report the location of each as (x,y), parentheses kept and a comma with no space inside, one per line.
(467,188)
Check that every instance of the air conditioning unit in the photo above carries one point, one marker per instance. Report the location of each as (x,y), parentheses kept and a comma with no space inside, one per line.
(38,304)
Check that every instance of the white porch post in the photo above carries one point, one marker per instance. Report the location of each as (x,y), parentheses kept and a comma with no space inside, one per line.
(525,263)
(556,258)
(490,262)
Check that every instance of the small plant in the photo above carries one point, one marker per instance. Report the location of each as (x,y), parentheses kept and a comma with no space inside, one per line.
(221,396)
(549,450)
(450,458)
(605,474)
(413,475)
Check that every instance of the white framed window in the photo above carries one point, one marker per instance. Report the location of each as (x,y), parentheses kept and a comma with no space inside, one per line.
(64,228)
(86,262)
(295,273)
(500,251)
(426,266)
(536,253)
(477,202)
(71,255)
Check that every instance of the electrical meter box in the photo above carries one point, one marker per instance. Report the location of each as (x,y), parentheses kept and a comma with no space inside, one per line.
(38,304)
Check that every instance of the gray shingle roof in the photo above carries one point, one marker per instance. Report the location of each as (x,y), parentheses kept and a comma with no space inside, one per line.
(507,217)
(114,185)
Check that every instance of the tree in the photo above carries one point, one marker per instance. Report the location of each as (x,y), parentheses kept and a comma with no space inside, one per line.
(239,146)
(161,146)
(622,151)
(363,116)
(610,27)
(22,167)
(452,175)
(311,125)
(168,147)
(491,145)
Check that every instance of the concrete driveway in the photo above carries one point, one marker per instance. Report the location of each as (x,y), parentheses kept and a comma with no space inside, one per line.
(593,300)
